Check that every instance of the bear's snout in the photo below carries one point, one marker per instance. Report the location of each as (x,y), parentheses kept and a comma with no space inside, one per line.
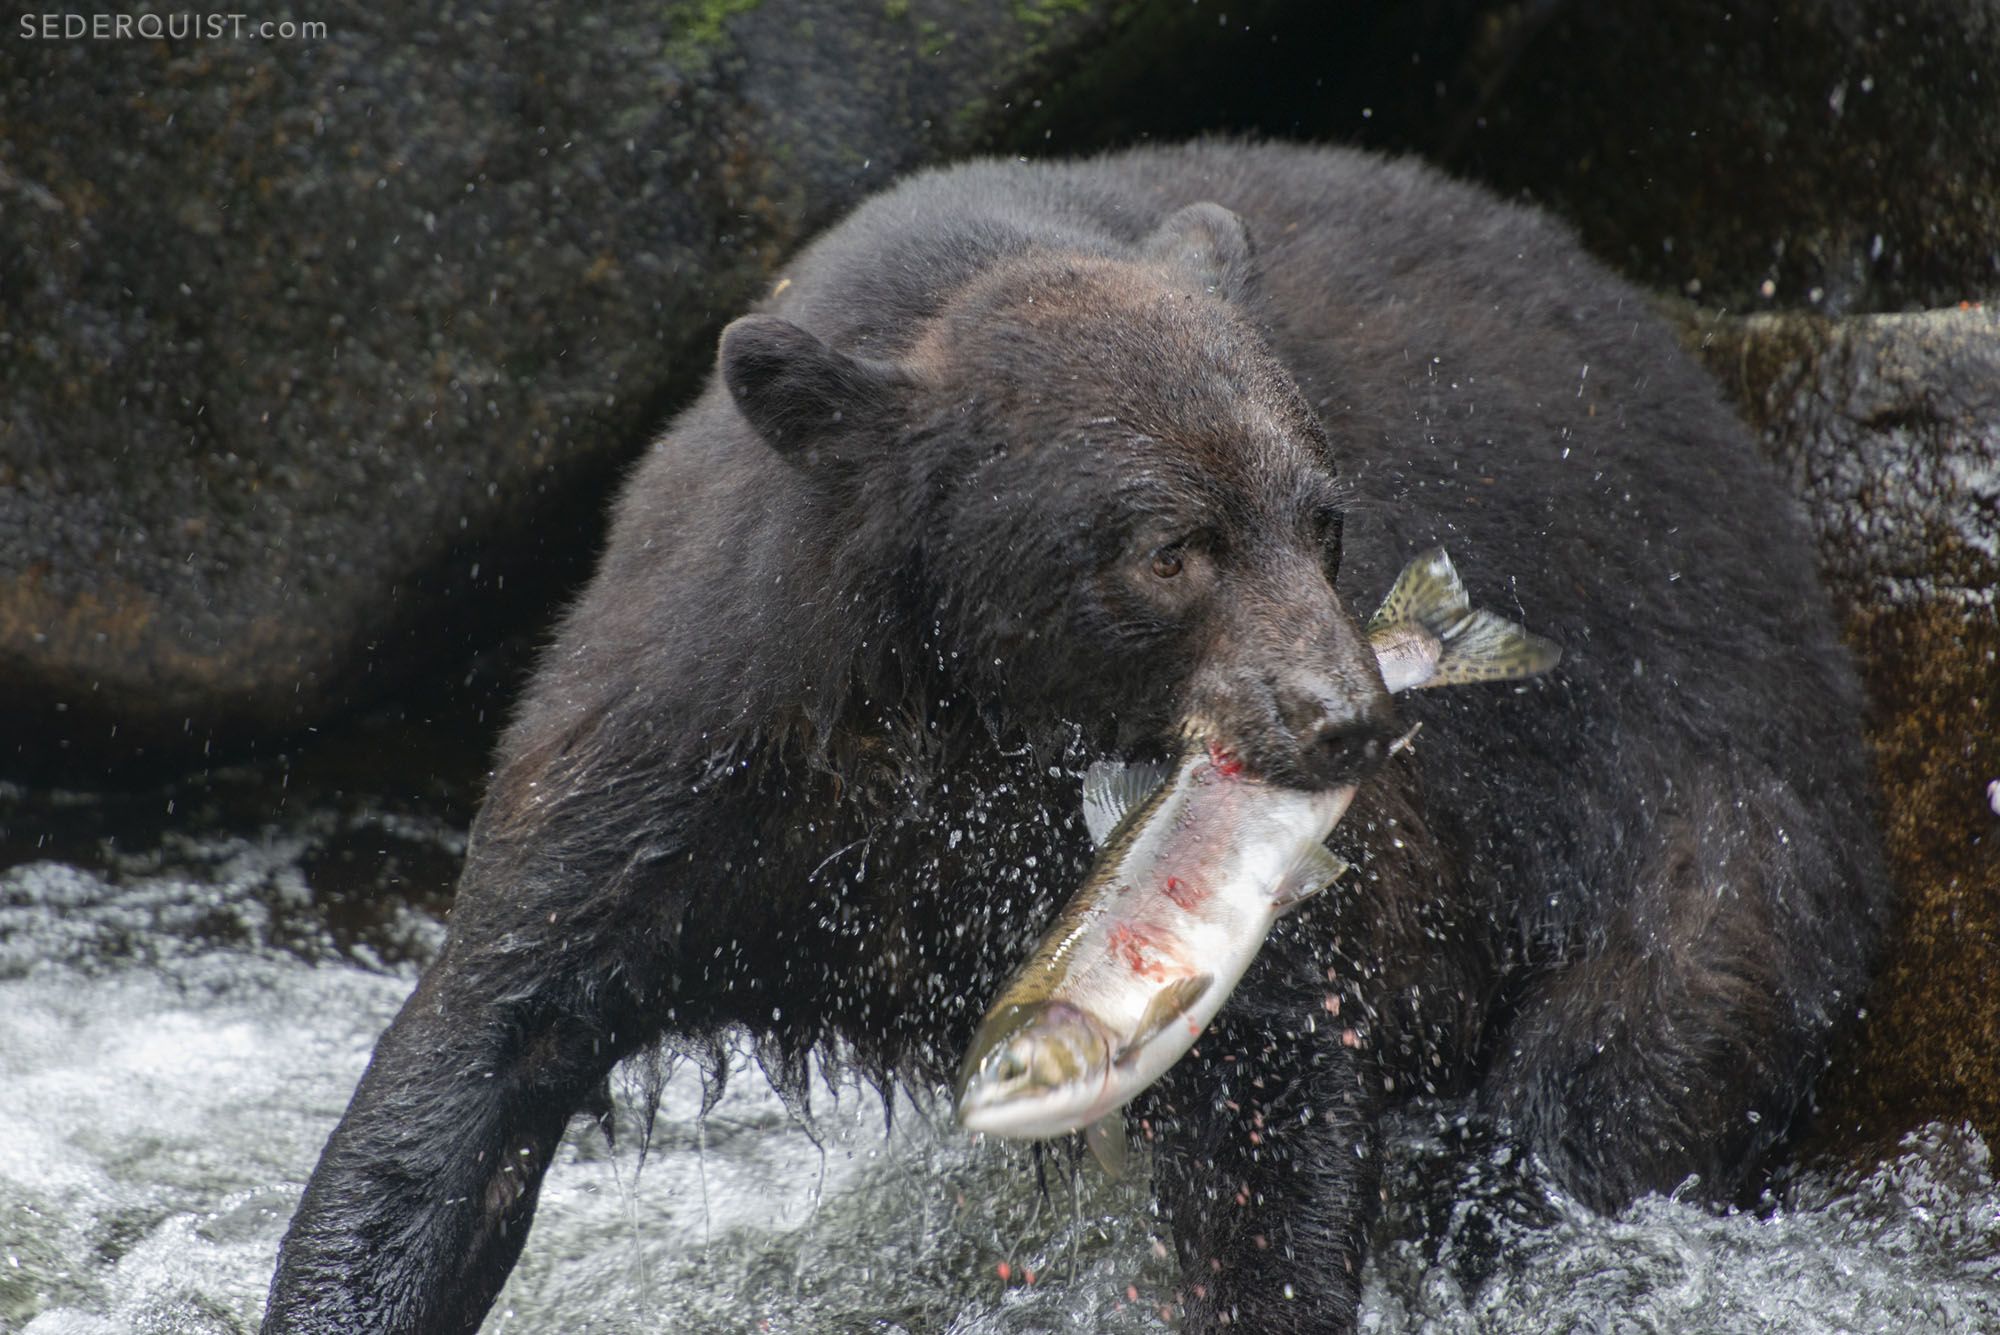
(1339,731)
(1319,723)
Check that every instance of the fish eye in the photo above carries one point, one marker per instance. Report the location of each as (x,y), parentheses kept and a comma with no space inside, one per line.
(1168,562)
(1010,1065)
(1058,1063)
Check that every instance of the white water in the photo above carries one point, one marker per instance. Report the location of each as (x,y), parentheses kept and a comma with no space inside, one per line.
(179,1030)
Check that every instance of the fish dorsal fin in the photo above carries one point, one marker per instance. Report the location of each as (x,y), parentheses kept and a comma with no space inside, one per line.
(1484,647)
(1112,789)
(1428,592)
(1168,1005)
(1106,1138)
(1317,868)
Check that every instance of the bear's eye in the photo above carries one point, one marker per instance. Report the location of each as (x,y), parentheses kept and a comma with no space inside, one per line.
(1167,562)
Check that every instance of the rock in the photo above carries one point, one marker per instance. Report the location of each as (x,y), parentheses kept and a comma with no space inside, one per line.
(1847,155)
(320,353)
(1890,426)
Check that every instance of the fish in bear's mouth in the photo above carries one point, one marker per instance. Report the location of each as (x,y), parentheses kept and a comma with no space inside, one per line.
(1197,859)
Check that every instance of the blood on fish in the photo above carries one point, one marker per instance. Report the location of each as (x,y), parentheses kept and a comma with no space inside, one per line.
(1138,950)
(1225,761)
(1183,894)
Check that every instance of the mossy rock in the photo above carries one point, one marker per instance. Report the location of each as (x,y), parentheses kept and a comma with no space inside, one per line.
(1890,427)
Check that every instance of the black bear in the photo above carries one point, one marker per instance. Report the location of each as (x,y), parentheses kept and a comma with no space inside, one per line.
(1024,465)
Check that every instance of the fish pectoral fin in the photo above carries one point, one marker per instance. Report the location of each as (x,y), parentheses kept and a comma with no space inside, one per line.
(1168,1005)
(1106,1138)
(1317,868)
(1112,789)
(1428,592)
(1484,647)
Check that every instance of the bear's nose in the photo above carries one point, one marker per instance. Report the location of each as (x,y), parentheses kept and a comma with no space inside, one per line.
(1341,732)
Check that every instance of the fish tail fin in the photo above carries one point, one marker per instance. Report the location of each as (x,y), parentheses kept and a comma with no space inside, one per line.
(1478,646)
(1490,648)
(1428,592)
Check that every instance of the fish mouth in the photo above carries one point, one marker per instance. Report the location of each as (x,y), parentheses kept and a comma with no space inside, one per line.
(1015,1117)
(1030,1100)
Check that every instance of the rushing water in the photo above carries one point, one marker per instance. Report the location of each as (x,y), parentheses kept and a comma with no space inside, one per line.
(183,1015)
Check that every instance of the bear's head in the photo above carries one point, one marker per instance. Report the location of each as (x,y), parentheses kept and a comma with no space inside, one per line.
(1100,500)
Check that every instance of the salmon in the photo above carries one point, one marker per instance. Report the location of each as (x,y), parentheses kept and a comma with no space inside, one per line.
(1196,863)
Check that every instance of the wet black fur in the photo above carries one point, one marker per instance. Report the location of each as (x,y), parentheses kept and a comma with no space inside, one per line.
(1027,468)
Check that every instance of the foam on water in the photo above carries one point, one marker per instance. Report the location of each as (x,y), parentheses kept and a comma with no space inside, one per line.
(1910,1245)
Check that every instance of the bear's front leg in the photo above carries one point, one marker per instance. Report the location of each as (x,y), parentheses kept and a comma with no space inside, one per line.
(1266,1168)
(557,965)
(423,1196)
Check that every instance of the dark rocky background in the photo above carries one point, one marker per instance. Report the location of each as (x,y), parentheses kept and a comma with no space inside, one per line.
(320,358)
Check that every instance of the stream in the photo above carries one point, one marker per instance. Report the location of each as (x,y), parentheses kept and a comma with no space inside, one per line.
(191,981)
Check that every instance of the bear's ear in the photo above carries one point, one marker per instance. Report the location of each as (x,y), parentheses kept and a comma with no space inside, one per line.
(1208,242)
(795,390)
